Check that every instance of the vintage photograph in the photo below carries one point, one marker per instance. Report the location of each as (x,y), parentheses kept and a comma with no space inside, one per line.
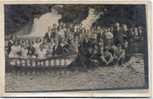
(75,47)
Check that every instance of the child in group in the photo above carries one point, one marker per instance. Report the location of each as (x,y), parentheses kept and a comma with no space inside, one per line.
(108,38)
(15,50)
(119,55)
(36,46)
(107,57)
(42,52)
(24,52)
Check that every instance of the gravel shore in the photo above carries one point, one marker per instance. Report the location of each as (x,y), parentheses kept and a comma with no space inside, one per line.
(130,75)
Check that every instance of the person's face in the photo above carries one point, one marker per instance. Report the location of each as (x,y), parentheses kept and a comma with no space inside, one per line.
(80,25)
(117,24)
(87,31)
(140,28)
(125,27)
(119,46)
(67,29)
(98,28)
(91,11)
(101,30)
(16,43)
(105,30)
(112,28)
(60,23)
(135,29)
(84,30)
(53,10)
(101,50)
(108,29)
(54,25)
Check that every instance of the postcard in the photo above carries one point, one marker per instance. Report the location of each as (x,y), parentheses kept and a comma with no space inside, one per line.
(70,48)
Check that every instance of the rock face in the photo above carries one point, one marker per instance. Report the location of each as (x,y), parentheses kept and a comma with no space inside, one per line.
(131,75)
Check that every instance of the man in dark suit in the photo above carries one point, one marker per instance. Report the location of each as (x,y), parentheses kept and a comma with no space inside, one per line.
(118,35)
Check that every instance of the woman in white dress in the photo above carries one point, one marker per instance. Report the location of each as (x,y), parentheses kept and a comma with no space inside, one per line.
(42,52)
(36,45)
(24,52)
(15,50)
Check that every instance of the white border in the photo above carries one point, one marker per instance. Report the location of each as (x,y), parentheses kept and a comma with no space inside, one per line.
(104,93)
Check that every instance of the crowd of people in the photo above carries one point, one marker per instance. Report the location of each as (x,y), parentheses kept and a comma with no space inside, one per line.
(107,45)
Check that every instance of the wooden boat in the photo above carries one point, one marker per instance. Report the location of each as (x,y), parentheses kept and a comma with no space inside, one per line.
(56,61)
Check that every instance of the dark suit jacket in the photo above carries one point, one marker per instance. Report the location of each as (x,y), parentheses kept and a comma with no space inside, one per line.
(47,37)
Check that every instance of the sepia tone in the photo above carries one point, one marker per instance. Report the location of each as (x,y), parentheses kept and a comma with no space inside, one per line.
(75,47)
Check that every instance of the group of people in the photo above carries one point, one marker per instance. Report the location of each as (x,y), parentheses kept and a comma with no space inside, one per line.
(107,45)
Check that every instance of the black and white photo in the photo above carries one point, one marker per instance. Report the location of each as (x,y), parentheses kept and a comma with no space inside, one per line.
(75,47)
